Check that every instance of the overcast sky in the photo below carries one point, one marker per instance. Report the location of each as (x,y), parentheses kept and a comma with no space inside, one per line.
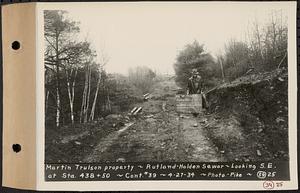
(133,34)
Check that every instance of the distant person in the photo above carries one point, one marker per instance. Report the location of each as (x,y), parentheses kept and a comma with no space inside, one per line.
(195,86)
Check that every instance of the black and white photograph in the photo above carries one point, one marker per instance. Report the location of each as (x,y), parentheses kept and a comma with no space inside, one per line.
(166,83)
(150,95)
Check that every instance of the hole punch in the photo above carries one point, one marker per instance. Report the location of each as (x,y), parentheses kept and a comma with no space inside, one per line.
(16,148)
(15,45)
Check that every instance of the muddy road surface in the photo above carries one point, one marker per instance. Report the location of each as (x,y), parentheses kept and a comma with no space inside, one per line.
(159,133)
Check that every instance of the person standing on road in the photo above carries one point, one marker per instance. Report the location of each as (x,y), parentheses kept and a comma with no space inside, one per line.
(195,86)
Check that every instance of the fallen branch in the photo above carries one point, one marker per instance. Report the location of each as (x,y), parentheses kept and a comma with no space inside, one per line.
(209,124)
(137,110)
(134,109)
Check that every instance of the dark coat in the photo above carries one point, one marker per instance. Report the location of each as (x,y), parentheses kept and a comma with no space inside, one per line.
(195,85)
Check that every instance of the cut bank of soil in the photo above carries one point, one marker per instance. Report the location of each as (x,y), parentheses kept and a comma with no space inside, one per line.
(251,117)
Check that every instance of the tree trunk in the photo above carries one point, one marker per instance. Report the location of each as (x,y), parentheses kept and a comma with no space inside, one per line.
(274,33)
(95,99)
(222,70)
(57,108)
(57,82)
(83,104)
(108,103)
(88,95)
(57,96)
(71,92)
(259,42)
(46,102)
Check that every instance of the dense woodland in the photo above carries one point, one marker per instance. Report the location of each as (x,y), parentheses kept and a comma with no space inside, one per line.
(79,90)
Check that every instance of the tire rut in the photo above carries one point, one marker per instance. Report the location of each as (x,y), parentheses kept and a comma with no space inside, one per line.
(202,148)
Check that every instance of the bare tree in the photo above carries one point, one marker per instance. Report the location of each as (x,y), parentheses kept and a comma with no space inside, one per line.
(221,61)
(103,62)
(57,32)
(76,55)
(86,94)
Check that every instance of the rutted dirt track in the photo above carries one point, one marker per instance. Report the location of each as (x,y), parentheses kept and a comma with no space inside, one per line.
(247,121)
(159,134)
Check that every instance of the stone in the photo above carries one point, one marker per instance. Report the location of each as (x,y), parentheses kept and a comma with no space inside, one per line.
(77,143)
(258,152)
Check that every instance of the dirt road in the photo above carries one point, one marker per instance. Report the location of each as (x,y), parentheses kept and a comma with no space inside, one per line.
(247,121)
(159,133)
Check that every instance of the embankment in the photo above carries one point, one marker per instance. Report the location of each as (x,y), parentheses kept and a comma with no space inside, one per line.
(249,117)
